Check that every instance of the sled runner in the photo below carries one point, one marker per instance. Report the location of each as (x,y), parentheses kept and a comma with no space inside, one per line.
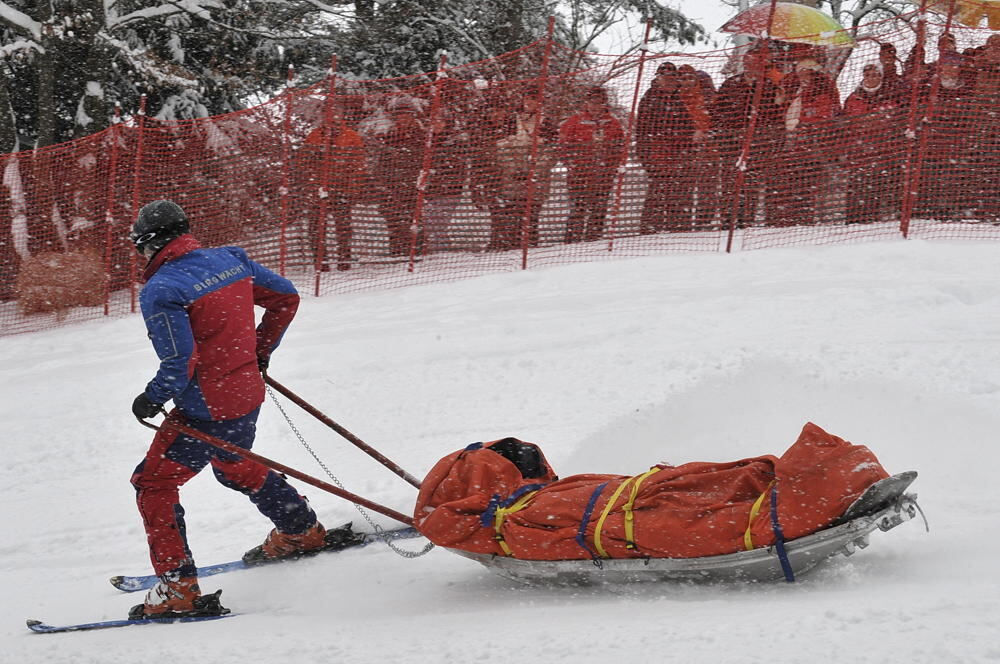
(883,506)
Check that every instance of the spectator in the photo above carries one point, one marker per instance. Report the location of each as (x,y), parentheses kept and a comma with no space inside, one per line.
(812,105)
(592,142)
(489,125)
(666,131)
(697,92)
(398,164)
(332,161)
(946,46)
(731,115)
(986,66)
(445,182)
(874,147)
(949,180)
(986,143)
(707,85)
(523,183)
(892,82)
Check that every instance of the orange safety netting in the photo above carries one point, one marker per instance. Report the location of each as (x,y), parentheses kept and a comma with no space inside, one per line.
(537,157)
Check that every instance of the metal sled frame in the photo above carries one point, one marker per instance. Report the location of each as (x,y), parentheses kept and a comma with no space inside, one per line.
(759,565)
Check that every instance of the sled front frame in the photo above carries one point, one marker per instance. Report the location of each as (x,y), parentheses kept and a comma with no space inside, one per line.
(760,565)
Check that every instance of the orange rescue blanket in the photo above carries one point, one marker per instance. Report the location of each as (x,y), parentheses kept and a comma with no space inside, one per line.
(503,498)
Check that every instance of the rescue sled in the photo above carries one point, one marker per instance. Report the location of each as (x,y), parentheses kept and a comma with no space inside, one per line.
(755,519)
(883,506)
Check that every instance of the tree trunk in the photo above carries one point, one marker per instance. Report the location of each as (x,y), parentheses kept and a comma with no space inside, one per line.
(8,126)
(45,106)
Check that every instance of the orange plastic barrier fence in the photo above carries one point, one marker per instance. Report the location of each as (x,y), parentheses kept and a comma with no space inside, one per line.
(538,157)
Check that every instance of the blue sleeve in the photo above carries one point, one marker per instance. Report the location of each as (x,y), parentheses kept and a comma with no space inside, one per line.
(169,328)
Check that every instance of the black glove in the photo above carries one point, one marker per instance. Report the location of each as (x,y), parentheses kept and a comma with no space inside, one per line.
(262,362)
(144,408)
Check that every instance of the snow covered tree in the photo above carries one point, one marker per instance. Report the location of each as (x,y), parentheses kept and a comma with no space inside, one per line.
(66,62)
(400,37)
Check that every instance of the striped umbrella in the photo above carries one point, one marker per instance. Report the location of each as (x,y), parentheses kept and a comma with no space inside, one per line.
(792,23)
(968,12)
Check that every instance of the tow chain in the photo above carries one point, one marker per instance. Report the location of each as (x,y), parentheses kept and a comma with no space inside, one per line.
(379,531)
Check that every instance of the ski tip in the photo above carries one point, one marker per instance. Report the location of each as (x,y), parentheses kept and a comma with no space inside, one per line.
(32,623)
(116,581)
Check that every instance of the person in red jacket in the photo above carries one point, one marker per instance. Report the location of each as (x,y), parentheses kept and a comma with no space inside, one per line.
(198,305)
(332,163)
(592,142)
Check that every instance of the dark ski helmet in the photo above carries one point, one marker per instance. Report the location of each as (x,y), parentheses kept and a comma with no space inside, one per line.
(158,223)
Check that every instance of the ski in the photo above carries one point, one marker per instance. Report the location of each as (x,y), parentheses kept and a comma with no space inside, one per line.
(337,539)
(39,627)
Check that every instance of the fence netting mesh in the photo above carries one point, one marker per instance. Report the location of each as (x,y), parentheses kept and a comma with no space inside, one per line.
(542,156)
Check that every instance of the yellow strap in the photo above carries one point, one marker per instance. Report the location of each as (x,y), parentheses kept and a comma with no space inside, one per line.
(754,511)
(607,510)
(502,512)
(629,515)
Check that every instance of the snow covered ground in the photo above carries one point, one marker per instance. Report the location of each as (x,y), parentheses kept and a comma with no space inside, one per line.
(610,367)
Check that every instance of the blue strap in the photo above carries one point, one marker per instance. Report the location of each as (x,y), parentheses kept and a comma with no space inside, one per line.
(472,446)
(779,538)
(581,535)
(496,502)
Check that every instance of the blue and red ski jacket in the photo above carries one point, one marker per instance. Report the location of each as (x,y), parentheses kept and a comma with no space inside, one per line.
(199,309)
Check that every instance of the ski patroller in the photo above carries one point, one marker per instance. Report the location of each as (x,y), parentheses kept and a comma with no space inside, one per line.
(337,539)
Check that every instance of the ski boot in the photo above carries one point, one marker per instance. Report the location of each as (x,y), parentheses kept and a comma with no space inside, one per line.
(281,546)
(176,597)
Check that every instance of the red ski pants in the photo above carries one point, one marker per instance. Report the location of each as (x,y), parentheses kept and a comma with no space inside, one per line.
(174,458)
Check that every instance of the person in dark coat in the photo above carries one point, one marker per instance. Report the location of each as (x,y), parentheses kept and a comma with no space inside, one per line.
(398,165)
(874,129)
(733,113)
(665,143)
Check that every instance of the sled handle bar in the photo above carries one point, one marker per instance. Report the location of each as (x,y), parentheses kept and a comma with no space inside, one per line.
(350,437)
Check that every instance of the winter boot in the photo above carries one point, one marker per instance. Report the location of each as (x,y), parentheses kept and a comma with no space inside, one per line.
(280,546)
(176,596)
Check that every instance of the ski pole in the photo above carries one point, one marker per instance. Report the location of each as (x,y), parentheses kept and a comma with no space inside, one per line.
(368,449)
(173,422)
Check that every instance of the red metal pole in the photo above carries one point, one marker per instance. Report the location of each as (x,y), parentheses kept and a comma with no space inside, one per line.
(285,173)
(628,134)
(915,166)
(371,451)
(425,168)
(136,179)
(533,163)
(741,162)
(331,96)
(109,204)
(174,423)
